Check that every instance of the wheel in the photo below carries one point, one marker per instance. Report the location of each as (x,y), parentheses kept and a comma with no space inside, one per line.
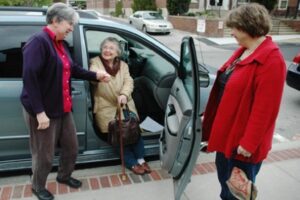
(144,29)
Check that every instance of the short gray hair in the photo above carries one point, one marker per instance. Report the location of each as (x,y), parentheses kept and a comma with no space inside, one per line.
(61,12)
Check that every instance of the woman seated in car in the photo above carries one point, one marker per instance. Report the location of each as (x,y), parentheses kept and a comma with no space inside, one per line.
(118,91)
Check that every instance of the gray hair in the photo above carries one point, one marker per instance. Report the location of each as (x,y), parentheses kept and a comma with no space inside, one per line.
(113,40)
(61,12)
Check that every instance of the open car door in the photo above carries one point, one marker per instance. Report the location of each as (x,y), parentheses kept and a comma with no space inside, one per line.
(180,140)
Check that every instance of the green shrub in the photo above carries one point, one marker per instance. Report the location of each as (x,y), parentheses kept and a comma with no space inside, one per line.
(143,5)
(119,6)
(178,7)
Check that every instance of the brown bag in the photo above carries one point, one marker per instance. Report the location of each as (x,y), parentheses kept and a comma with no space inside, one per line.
(129,128)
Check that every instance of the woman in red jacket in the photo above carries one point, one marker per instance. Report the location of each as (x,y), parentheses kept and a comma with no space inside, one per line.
(244,101)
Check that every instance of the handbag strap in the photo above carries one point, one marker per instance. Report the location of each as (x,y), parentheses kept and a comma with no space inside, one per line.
(119,109)
(124,177)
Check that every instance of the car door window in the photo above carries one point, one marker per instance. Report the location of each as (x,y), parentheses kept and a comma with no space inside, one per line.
(11,49)
(11,59)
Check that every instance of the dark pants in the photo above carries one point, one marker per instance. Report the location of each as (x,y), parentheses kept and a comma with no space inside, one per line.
(43,142)
(224,168)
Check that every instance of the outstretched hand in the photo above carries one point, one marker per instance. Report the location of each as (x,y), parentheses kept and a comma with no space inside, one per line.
(103,76)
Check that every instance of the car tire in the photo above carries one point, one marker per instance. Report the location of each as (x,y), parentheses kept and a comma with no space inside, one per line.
(144,29)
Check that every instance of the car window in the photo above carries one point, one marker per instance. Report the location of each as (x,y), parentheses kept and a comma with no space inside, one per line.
(187,79)
(137,50)
(95,38)
(152,15)
(11,59)
(11,49)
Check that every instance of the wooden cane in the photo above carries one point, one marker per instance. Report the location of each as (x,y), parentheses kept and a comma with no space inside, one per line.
(123,176)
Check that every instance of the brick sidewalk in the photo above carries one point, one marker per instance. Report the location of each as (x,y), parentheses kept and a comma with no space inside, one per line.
(19,191)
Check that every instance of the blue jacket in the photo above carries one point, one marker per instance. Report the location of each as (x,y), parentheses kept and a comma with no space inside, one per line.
(42,76)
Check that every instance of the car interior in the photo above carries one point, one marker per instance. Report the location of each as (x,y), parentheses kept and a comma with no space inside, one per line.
(153,76)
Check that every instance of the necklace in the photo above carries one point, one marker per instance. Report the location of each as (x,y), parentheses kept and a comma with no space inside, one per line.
(231,67)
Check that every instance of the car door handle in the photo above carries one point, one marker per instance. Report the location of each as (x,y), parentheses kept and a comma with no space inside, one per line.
(172,120)
(172,110)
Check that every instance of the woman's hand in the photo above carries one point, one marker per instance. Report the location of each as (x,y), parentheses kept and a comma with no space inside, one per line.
(43,120)
(243,151)
(103,76)
(122,99)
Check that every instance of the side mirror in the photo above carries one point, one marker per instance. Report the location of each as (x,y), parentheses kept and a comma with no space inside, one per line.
(204,77)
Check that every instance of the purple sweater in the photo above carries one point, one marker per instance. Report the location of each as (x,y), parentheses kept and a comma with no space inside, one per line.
(42,76)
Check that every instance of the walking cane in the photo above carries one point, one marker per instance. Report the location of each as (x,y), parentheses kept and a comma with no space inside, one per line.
(123,176)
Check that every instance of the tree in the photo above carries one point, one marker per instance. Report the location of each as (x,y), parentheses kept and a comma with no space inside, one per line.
(143,5)
(178,7)
(119,6)
(30,3)
(269,4)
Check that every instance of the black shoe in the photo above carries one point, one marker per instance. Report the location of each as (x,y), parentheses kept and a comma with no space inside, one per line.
(72,182)
(43,194)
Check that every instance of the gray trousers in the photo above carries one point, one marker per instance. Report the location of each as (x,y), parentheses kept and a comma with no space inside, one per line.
(43,143)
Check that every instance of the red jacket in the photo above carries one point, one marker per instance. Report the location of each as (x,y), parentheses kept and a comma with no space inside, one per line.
(250,104)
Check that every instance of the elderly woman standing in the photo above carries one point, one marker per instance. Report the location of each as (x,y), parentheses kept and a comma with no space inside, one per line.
(47,100)
(117,91)
(244,102)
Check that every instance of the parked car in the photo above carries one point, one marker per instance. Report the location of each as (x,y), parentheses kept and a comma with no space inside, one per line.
(93,12)
(293,73)
(167,90)
(150,22)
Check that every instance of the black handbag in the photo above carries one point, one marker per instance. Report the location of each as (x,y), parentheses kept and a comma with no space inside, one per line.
(128,128)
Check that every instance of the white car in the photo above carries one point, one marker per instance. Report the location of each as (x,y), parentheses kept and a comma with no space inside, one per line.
(150,22)
(94,13)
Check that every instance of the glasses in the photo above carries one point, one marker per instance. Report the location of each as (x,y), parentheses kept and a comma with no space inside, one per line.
(109,48)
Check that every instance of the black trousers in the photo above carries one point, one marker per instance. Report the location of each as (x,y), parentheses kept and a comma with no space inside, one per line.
(43,143)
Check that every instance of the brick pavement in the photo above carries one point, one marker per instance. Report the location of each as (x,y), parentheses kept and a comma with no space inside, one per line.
(19,191)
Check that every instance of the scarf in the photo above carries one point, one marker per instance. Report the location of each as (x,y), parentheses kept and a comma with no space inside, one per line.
(111,70)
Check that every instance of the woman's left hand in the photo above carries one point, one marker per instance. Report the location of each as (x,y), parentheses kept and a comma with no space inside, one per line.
(243,151)
(122,99)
